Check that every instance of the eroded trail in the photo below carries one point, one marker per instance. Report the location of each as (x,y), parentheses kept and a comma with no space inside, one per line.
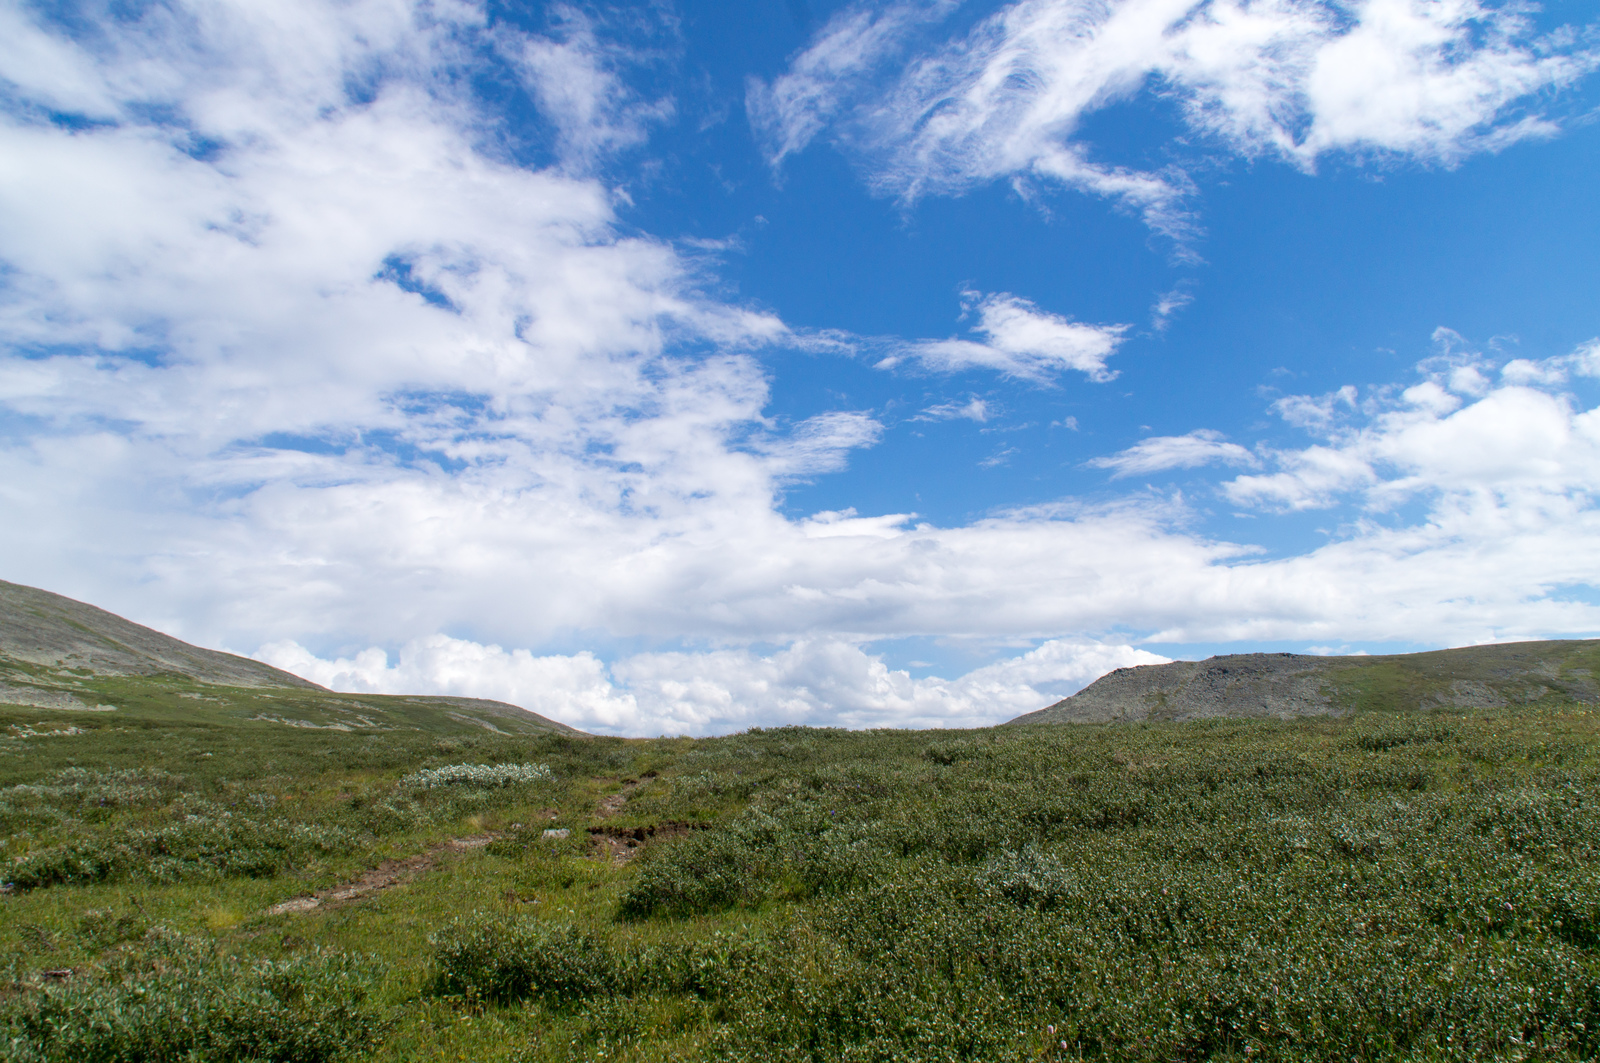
(385,875)
(611,843)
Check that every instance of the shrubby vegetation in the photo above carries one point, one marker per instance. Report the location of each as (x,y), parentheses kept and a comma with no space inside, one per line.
(172,998)
(1397,888)
(1388,887)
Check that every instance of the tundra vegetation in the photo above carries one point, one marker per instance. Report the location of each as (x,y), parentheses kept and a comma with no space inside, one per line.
(199,874)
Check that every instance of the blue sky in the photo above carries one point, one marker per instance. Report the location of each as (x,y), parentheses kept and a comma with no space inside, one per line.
(676,368)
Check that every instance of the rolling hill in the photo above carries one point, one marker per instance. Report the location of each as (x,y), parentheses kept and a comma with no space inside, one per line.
(1289,685)
(60,654)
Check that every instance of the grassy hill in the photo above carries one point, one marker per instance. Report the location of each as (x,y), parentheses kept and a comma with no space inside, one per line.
(1288,685)
(57,653)
(183,881)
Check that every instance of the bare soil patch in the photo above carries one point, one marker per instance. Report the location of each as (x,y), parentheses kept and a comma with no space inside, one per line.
(621,844)
(387,874)
(611,804)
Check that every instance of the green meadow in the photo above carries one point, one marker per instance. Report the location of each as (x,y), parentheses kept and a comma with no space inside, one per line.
(209,873)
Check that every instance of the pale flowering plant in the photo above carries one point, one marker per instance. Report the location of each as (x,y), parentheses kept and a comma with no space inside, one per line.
(480,776)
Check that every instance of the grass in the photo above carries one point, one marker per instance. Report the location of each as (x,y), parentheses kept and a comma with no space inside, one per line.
(1388,886)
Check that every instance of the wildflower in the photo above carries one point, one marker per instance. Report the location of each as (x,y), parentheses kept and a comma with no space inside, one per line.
(485,775)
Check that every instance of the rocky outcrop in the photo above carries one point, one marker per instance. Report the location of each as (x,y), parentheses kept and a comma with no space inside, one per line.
(1277,685)
(42,698)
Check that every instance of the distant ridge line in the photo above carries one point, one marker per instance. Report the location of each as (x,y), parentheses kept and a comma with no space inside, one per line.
(1292,685)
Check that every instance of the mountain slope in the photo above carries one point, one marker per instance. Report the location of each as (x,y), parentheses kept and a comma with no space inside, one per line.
(41,628)
(1286,685)
(61,654)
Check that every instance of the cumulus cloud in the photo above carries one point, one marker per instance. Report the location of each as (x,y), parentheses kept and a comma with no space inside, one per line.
(1295,79)
(1583,362)
(816,681)
(1454,435)
(1200,447)
(568,688)
(290,354)
(1017,339)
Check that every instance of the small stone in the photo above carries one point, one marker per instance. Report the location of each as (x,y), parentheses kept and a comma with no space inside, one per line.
(298,904)
(557,832)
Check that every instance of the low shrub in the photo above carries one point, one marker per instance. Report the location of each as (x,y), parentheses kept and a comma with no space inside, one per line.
(172,998)
(708,871)
(506,959)
(196,847)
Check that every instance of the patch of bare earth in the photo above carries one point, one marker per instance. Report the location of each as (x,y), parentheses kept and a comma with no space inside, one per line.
(611,804)
(621,844)
(387,874)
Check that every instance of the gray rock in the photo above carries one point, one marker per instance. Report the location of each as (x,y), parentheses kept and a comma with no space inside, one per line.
(38,698)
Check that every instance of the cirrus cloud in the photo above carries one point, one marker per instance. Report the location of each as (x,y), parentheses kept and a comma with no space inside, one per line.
(1430,80)
(1200,447)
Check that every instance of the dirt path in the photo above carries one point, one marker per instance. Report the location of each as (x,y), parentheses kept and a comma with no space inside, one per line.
(611,804)
(618,845)
(389,873)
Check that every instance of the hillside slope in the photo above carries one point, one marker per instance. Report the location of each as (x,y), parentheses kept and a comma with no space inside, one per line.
(58,653)
(1287,685)
(41,628)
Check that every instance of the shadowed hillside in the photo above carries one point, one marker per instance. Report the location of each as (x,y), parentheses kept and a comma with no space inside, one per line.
(61,654)
(1288,685)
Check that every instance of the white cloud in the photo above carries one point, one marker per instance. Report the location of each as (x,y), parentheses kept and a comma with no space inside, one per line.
(573,75)
(801,102)
(1512,442)
(1000,457)
(290,355)
(817,681)
(1583,362)
(1019,340)
(1430,79)
(1200,447)
(1433,80)
(564,688)
(820,444)
(1316,412)
(1167,306)
(974,409)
